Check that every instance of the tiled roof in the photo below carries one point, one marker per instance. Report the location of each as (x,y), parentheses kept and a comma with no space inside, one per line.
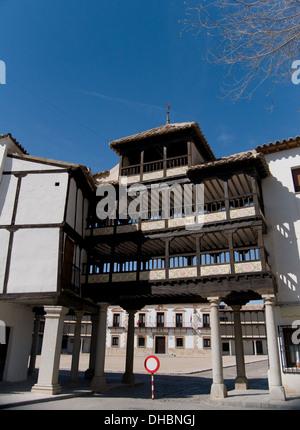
(245,308)
(163,130)
(3,136)
(279,145)
(234,160)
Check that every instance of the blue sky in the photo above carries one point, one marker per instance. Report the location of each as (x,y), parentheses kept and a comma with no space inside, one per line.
(82,73)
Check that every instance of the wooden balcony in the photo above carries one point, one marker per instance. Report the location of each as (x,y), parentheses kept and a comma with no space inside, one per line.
(242,261)
(215,211)
(154,170)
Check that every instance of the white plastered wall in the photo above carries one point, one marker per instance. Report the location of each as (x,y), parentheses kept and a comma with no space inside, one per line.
(4,241)
(282,209)
(3,152)
(42,198)
(34,259)
(20,321)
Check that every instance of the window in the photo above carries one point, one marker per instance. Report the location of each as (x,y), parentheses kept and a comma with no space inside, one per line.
(141,342)
(206,342)
(179,342)
(116,320)
(160,319)
(178,320)
(141,322)
(290,350)
(206,322)
(225,347)
(115,341)
(296,178)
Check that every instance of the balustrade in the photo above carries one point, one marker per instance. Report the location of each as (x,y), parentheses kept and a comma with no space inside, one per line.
(211,263)
(211,211)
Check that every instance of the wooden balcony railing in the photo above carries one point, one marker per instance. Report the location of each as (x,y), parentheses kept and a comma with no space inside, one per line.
(240,260)
(211,211)
(141,172)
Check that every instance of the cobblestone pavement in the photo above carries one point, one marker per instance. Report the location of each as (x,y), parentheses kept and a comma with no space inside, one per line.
(175,392)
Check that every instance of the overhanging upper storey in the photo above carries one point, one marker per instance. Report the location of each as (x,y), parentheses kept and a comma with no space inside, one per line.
(243,162)
(162,152)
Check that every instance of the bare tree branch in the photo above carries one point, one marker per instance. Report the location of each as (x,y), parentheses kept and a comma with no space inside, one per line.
(259,39)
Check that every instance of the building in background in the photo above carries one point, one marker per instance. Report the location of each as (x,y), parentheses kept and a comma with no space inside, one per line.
(180,330)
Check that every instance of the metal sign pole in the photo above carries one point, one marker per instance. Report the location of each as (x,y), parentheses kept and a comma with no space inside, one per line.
(152,365)
(152,385)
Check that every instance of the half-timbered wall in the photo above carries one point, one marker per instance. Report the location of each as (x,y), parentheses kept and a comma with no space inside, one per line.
(38,202)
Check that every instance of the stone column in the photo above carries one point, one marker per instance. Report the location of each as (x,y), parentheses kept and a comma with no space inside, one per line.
(128,376)
(98,383)
(241,381)
(218,388)
(76,347)
(51,350)
(276,389)
(89,373)
(34,346)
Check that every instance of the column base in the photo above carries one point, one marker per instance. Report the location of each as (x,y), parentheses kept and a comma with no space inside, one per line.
(89,373)
(46,389)
(277,392)
(241,383)
(218,391)
(98,384)
(128,378)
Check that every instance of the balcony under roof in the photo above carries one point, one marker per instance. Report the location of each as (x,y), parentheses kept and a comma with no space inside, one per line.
(167,131)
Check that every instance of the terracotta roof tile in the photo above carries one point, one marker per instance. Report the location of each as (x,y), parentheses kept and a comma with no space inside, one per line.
(160,131)
(279,145)
(234,160)
(3,136)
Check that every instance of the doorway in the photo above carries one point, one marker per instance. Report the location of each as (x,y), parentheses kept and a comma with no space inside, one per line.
(3,352)
(259,347)
(160,345)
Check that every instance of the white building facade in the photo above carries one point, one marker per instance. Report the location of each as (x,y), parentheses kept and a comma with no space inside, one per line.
(281,191)
(171,329)
(43,211)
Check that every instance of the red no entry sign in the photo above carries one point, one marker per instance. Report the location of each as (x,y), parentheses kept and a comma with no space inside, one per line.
(152,364)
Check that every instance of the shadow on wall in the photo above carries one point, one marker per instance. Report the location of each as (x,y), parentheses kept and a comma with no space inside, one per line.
(282,210)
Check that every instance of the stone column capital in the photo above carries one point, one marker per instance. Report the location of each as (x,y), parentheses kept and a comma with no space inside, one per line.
(55,311)
(79,314)
(103,306)
(236,308)
(269,299)
(214,300)
(131,312)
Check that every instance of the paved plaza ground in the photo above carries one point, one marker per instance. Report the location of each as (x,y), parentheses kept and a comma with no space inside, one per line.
(181,384)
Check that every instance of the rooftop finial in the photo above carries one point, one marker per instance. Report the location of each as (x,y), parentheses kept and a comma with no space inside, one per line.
(168,111)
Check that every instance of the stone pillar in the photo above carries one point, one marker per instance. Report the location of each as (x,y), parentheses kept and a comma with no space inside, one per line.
(241,381)
(218,388)
(51,350)
(89,373)
(128,376)
(76,347)
(276,389)
(98,383)
(34,345)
